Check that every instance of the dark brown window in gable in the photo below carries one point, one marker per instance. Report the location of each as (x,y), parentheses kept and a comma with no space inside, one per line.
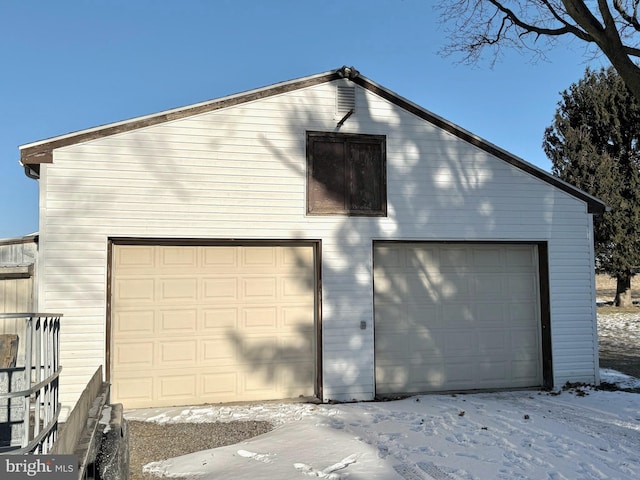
(346,174)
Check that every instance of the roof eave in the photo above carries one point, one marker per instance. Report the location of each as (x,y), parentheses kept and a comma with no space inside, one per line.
(36,153)
(594,205)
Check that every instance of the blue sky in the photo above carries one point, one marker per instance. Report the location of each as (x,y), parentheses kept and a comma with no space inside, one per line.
(68,65)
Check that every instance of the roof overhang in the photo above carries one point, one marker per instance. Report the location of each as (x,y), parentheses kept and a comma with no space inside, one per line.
(34,154)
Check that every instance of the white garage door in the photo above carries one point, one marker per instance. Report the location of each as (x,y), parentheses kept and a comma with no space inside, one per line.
(199,324)
(456,317)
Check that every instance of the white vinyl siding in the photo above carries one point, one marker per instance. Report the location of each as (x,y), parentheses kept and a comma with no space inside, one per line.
(240,173)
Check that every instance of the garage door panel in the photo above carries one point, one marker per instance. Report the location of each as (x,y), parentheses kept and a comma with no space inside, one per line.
(491,343)
(134,390)
(402,348)
(172,290)
(218,351)
(135,258)
(490,318)
(391,311)
(522,314)
(135,291)
(259,289)
(456,316)
(521,286)
(489,286)
(257,350)
(425,378)
(224,323)
(393,376)
(384,291)
(135,322)
(402,322)
(390,342)
(525,356)
(296,378)
(452,259)
(176,322)
(521,373)
(524,338)
(460,342)
(521,256)
(460,314)
(295,347)
(258,257)
(177,387)
(294,288)
(421,336)
(389,257)
(175,353)
(493,315)
(436,288)
(257,384)
(459,374)
(296,256)
(220,289)
(486,259)
(260,319)
(216,320)
(421,257)
(219,384)
(418,313)
(296,316)
(134,355)
(179,258)
(427,355)
(494,372)
(425,351)
(220,259)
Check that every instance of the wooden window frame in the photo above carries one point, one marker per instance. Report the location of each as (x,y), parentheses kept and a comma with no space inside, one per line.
(348,141)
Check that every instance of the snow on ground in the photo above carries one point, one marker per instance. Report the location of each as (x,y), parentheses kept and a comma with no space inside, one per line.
(613,326)
(579,433)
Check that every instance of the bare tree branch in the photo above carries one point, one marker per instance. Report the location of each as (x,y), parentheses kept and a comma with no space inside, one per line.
(529,28)
(631,19)
(608,26)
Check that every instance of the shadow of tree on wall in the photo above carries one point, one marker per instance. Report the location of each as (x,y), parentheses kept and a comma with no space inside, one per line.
(435,184)
(436,191)
(281,356)
(287,367)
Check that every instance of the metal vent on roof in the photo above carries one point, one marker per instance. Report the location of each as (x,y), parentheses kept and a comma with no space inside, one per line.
(345,99)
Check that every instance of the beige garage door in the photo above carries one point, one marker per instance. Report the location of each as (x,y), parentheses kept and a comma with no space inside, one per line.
(198,324)
(456,317)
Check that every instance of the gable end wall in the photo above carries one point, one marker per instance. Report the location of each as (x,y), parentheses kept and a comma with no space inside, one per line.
(240,172)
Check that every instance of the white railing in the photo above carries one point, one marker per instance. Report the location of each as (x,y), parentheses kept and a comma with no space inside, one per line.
(29,378)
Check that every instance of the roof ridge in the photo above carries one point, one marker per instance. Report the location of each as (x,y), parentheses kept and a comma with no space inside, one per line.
(33,154)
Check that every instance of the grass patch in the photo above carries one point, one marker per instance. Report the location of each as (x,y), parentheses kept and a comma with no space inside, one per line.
(609,309)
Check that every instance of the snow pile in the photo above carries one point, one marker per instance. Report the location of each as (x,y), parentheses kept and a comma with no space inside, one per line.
(618,379)
(614,327)
(581,433)
(275,413)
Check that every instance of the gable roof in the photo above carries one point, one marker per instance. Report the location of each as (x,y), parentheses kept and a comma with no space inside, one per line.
(33,154)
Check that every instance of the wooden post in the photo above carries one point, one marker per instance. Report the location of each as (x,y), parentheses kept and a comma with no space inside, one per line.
(8,350)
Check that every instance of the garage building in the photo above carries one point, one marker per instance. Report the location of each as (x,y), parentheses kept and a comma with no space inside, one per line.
(322,237)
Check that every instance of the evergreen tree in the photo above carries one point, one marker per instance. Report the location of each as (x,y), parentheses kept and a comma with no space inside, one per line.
(594,144)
